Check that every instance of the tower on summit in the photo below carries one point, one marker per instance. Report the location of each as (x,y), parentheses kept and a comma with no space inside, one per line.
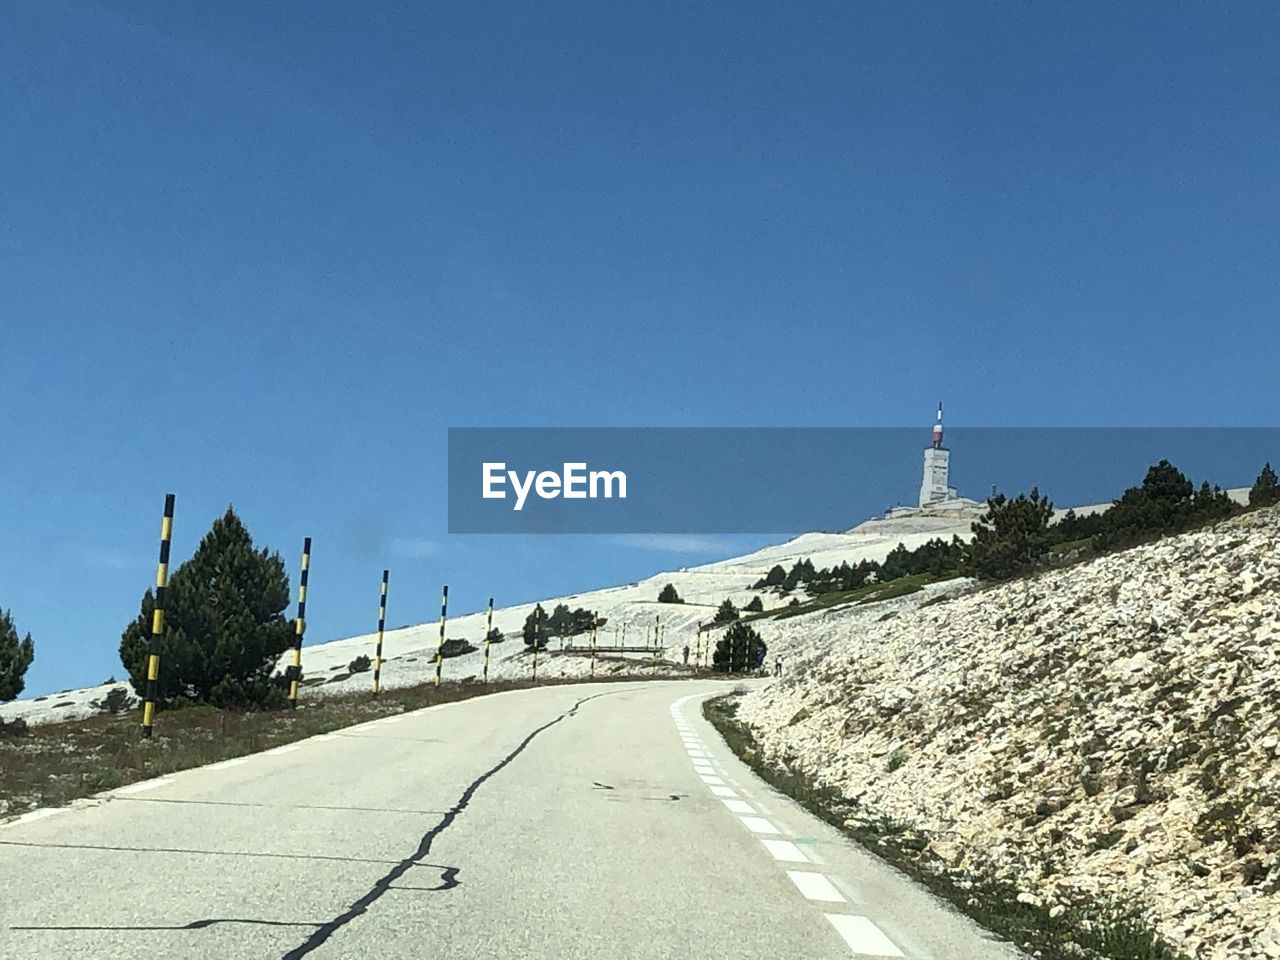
(937,465)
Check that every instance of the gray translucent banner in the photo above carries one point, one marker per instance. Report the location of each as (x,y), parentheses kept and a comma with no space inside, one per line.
(789,480)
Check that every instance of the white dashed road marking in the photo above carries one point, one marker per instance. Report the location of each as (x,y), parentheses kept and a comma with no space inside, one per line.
(785,850)
(815,886)
(863,936)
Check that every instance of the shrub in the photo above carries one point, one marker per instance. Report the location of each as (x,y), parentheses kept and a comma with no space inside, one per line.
(359,665)
(755,606)
(17,727)
(116,701)
(454,647)
(668,594)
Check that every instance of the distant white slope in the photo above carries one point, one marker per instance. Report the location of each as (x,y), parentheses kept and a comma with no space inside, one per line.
(410,651)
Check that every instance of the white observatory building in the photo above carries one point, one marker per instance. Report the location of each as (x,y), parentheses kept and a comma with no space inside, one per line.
(934,488)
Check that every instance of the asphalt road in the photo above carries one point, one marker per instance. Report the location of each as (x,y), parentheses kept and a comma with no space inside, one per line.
(600,821)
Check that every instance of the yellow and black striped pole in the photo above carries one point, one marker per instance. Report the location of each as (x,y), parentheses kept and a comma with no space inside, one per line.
(537,638)
(299,625)
(655,643)
(593,649)
(382,626)
(157,621)
(444,604)
(488,631)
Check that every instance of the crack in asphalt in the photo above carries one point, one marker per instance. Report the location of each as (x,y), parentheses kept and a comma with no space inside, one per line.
(326,930)
(193,925)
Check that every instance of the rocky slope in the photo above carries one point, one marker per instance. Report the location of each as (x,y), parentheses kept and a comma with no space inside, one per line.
(1108,731)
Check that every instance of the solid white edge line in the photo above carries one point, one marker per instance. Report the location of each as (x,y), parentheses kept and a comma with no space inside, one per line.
(784,850)
(32,815)
(286,748)
(863,936)
(815,886)
(223,764)
(144,785)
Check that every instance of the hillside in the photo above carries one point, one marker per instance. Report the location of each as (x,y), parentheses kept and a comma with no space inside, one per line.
(410,651)
(1107,732)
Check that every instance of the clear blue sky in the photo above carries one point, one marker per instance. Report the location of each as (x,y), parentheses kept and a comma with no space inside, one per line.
(267,256)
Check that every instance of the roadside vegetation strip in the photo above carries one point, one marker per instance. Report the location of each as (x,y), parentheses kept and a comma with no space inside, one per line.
(1085,931)
(50,765)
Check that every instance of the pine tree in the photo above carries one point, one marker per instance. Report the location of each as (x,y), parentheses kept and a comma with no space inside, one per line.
(668,594)
(583,620)
(560,623)
(225,627)
(1011,538)
(15,656)
(535,627)
(900,562)
(1165,502)
(726,613)
(742,648)
(755,606)
(1266,489)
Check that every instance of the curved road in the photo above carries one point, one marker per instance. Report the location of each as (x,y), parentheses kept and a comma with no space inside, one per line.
(590,821)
